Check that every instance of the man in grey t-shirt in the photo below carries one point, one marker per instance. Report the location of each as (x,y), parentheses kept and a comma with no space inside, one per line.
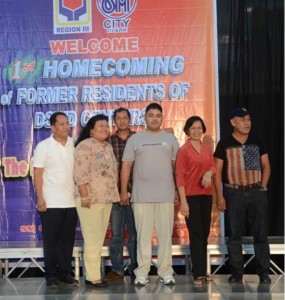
(153,153)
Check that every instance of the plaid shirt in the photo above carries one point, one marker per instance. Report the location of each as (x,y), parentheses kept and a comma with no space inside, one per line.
(118,145)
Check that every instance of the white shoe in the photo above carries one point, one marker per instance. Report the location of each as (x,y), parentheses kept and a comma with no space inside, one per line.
(141,281)
(167,280)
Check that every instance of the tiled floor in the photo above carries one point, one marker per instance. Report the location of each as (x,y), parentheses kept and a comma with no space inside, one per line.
(34,288)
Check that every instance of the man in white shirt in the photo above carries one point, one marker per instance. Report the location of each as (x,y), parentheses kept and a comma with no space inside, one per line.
(53,178)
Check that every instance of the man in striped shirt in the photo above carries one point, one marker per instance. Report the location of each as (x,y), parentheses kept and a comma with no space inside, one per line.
(243,167)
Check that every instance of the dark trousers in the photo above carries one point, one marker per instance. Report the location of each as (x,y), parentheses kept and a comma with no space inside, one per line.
(198,224)
(58,229)
(247,208)
(121,216)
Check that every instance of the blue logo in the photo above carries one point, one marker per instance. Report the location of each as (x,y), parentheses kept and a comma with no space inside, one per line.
(117,13)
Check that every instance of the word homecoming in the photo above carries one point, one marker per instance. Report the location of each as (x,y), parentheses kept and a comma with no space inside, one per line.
(97,67)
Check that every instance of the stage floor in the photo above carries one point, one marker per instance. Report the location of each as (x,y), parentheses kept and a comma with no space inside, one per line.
(34,288)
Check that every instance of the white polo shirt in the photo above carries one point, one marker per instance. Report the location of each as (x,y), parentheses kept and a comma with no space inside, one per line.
(58,163)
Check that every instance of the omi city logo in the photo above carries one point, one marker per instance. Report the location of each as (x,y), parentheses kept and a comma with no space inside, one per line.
(117,14)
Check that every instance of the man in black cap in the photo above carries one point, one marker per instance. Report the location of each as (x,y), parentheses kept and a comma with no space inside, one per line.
(243,167)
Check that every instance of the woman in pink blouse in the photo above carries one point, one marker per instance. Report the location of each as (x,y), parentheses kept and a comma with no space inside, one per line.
(195,168)
(95,175)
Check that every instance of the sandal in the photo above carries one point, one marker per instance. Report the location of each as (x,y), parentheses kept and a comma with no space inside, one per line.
(199,281)
(208,278)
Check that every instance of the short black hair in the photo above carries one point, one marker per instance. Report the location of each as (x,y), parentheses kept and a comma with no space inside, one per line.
(121,109)
(53,117)
(190,122)
(153,106)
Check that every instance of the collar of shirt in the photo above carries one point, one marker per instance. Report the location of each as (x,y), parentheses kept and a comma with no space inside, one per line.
(130,133)
(68,142)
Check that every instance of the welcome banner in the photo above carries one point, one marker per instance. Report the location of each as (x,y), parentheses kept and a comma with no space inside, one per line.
(86,57)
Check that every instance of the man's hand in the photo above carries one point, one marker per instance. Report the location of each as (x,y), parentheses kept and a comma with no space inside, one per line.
(41,205)
(169,130)
(124,199)
(176,199)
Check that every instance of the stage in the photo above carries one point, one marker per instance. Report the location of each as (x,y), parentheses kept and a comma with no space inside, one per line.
(219,288)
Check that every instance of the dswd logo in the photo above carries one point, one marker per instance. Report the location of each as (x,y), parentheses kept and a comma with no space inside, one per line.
(72,16)
(117,13)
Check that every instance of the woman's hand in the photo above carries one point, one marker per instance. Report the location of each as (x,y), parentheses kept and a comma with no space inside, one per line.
(85,202)
(207,179)
(184,209)
(221,203)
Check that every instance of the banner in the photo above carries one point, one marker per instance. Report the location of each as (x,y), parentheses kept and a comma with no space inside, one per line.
(86,57)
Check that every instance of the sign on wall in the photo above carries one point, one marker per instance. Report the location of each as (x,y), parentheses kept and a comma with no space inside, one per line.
(86,57)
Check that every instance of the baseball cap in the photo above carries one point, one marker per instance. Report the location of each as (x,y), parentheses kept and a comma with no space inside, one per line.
(239,112)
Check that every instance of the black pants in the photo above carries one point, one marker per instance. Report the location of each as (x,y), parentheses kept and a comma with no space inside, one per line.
(58,228)
(198,224)
(247,208)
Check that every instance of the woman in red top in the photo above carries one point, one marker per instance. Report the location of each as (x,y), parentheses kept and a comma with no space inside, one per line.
(195,168)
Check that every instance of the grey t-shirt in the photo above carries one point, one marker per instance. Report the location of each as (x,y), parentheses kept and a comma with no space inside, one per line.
(153,155)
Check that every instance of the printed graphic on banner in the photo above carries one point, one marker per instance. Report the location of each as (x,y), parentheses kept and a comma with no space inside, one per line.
(117,14)
(139,52)
(72,16)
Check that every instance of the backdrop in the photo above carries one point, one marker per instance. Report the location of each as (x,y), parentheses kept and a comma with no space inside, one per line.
(251,74)
(86,57)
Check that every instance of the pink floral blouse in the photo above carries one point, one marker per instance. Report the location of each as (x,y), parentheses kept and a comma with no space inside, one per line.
(96,166)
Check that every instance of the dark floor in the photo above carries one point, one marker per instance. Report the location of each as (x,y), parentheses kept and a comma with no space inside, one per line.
(219,288)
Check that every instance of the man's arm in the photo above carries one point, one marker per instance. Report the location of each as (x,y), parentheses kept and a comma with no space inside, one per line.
(125,176)
(221,202)
(38,181)
(176,199)
(265,170)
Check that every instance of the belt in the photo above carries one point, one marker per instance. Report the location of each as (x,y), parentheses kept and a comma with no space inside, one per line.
(243,187)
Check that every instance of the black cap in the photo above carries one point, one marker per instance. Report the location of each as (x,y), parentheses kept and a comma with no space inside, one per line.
(239,112)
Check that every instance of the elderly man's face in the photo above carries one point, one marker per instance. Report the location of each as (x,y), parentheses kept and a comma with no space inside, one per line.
(242,124)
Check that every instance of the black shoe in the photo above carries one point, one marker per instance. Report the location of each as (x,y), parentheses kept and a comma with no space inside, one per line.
(132,275)
(235,278)
(264,278)
(68,280)
(100,284)
(51,282)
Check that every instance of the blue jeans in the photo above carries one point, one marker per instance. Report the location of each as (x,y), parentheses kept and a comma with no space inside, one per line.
(247,208)
(120,216)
